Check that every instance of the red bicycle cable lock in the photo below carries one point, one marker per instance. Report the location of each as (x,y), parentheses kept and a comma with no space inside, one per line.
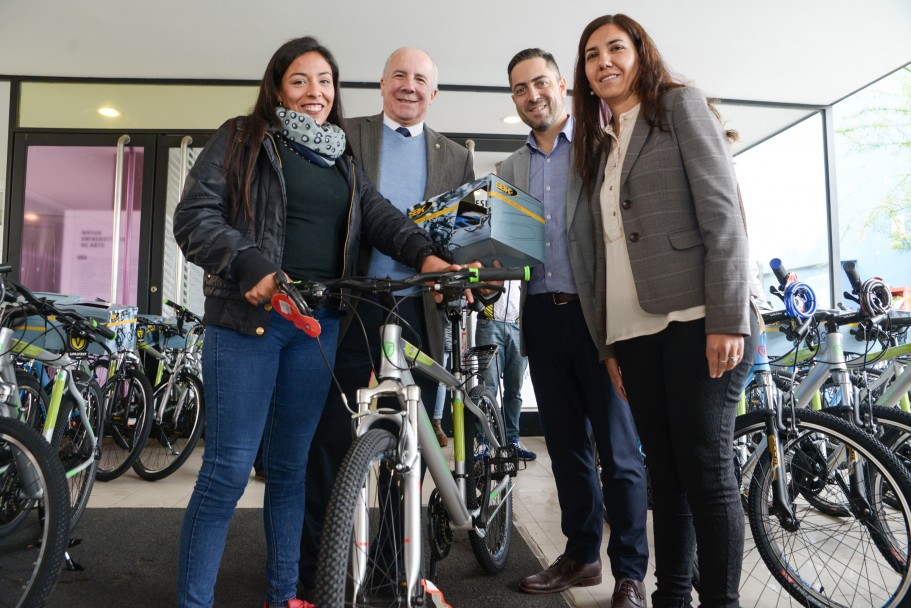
(286,307)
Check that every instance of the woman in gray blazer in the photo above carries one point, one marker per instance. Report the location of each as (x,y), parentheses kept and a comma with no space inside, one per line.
(672,293)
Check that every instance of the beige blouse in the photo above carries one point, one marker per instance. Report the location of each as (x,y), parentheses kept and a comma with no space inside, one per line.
(625,318)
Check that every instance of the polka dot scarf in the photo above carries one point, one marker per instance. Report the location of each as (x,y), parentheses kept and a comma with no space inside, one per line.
(321,145)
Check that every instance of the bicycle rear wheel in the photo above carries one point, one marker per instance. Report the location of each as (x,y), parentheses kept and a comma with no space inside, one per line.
(486,477)
(127,421)
(31,553)
(368,572)
(172,440)
(860,559)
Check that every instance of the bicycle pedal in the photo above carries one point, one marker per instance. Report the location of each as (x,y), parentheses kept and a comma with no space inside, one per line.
(504,461)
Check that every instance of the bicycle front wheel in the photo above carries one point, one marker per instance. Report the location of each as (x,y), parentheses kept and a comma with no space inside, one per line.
(75,446)
(489,478)
(856,559)
(127,422)
(361,556)
(32,552)
(173,438)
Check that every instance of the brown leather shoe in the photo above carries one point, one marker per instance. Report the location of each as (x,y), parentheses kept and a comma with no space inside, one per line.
(437,425)
(562,574)
(629,593)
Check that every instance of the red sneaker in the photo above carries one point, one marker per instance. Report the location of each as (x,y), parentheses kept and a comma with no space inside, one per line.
(295,603)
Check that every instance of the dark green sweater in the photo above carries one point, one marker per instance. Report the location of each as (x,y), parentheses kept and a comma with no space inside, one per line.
(317,212)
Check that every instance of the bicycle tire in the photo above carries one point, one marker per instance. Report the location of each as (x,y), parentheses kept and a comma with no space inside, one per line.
(811,561)
(127,421)
(33,412)
(74,445)
(892,427)
(31,555)
(491,550)
(364,469)
(171,442)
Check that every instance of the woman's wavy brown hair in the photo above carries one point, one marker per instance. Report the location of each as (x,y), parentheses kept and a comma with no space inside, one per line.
(591,114)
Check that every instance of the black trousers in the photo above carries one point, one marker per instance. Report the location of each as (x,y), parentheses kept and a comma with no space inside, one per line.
(575,401)
(686,422)
(354,361)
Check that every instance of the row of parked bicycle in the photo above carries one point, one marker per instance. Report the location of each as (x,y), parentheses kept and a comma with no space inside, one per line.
(822,448)
(822,445)
(80,401)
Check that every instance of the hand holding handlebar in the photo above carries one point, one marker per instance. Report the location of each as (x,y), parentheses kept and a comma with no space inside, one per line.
(290,304)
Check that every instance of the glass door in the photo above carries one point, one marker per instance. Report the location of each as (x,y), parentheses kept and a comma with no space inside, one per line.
(79,212)
(174,278)
(64,235)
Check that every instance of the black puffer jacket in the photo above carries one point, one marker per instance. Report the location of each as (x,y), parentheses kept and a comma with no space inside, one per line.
(237,255)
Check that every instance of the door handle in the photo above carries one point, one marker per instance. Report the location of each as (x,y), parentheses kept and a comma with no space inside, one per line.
(179,260)
(122,141)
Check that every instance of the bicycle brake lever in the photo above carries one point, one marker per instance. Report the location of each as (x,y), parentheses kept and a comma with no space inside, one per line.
(287,308)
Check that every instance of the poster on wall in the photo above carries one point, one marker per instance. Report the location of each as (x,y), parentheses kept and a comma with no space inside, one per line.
(87,252)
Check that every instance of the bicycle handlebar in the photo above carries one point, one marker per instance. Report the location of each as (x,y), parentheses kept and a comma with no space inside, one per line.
(295,301)
(827,316)
(850,269)
(82,324)
(781,273)
(183,311)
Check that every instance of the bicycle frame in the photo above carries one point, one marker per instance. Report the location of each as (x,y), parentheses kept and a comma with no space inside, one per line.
(896,378)
(770,439)
(187,357)
(832,363)
(63,381)
(415,436)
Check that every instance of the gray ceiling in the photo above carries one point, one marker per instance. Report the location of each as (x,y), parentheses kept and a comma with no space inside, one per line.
(796,52)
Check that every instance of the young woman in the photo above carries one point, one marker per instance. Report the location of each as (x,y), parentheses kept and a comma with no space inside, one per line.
(273,191)
(672,293)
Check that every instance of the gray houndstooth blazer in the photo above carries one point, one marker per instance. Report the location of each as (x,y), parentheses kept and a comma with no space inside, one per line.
(682,219)
(580,234)
(449,165)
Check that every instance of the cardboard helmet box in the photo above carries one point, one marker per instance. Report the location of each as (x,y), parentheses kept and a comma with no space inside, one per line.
(119,317)
(487,219)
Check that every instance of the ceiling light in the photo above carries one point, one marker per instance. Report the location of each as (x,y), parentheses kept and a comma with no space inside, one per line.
(512,120)
(31,217)
(108,112)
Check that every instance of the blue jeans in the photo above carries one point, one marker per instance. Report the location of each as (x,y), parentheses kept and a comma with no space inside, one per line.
(270,388)
(510,364)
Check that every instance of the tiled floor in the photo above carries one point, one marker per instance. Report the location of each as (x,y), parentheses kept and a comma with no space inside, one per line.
(537,513)
(537,517)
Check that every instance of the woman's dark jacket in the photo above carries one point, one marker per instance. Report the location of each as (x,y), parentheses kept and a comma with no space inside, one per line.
(236,255)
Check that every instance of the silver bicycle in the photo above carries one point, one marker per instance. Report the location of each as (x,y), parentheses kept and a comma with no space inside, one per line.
(371,550)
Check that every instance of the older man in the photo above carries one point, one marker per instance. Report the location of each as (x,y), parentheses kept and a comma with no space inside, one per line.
(408,162)
(572,387)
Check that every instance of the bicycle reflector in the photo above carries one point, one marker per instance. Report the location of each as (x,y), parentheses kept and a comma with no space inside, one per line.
(799,300)
(286,307)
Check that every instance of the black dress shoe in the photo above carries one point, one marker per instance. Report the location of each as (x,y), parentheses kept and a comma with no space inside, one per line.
(629,593)
(563,574)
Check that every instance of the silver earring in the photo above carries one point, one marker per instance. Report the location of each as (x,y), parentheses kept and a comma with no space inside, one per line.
(591,92)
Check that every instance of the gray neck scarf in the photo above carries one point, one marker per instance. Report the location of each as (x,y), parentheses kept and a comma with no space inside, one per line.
(321,145)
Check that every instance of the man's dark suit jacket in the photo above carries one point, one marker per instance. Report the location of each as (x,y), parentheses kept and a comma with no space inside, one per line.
(449,165)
